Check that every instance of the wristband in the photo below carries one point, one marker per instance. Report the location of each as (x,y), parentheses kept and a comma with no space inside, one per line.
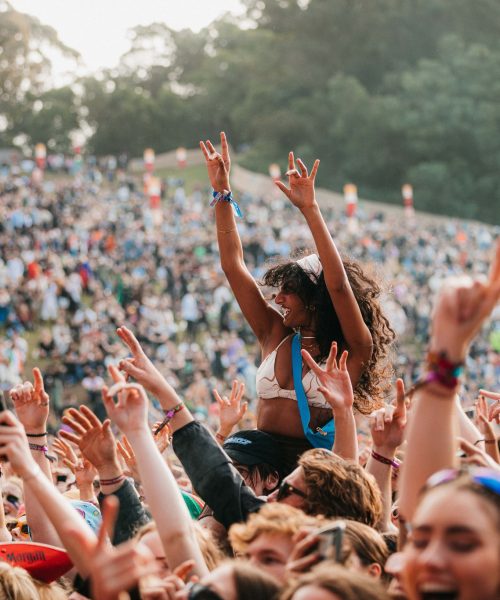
(113,481)
(441,371)
(386,461)
(489,441)
(220,437)
(222,197)
(35,435)
(169,415)
(39,448)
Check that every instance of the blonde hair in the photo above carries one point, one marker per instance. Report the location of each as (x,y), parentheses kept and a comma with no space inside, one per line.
(16,583)
(274,519)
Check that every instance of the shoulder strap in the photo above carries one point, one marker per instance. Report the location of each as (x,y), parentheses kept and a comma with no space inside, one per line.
(305,414)
(323,438)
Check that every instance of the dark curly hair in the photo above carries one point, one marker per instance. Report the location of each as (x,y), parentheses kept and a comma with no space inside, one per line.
(374,381)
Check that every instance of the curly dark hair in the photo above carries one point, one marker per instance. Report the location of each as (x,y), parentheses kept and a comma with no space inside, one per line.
(374,381)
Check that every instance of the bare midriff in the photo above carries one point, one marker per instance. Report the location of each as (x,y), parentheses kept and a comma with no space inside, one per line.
(281,416)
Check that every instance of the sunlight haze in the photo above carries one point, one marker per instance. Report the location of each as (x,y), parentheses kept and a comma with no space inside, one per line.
(97,29)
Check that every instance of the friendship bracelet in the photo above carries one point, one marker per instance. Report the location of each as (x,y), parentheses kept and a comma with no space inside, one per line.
(440,370)
(169,415)
(113,481)
(384,460)
(39,448)
(35,435)
(222,197)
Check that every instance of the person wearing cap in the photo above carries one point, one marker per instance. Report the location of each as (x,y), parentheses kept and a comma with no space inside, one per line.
(324,299)
(256,455)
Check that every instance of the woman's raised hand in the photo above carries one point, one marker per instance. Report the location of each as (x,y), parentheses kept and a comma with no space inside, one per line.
(218,165)
(335,382)
(461,309)
(232,409)
(301,192)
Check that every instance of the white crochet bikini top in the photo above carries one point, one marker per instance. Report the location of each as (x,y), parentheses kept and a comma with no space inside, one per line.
(268,386)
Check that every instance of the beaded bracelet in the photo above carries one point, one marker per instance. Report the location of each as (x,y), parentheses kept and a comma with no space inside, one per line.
(169,415)
(384,460)
(226,197)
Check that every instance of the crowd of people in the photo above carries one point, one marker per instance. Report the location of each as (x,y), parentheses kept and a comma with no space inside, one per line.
(238,397)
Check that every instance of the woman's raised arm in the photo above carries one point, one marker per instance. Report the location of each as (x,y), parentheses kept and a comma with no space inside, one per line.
(302,195)
(261,317)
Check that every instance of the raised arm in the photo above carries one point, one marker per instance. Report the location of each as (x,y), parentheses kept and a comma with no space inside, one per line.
(208,467)
(172,518)
(387,429)
(336,387)
(56,508)
(301,193)
(461,309)
(31,403)
(261,317)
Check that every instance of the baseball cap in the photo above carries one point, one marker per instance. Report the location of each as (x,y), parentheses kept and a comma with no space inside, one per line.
(252,447)
(43,562)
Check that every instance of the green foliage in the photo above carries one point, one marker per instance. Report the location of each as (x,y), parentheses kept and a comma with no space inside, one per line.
(383,91)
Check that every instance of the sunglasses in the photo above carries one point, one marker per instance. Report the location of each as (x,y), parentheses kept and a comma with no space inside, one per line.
(198,591)
(287,489)
(486,478)
(12,499)
(23,527)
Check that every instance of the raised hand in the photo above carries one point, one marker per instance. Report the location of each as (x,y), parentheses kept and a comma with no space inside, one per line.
(218,165)
(477,457)
(31,403)
(163,438)
(232,409)
(494,410)
(301,190)
(131,411)
(387,424)
(14,445)
(128,455)
(139,366)
(462,307)
(335,382)
(304,554)
(114,569)
(83,470)
(94,439)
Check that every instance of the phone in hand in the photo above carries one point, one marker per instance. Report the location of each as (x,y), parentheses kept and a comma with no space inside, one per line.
(330,541)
